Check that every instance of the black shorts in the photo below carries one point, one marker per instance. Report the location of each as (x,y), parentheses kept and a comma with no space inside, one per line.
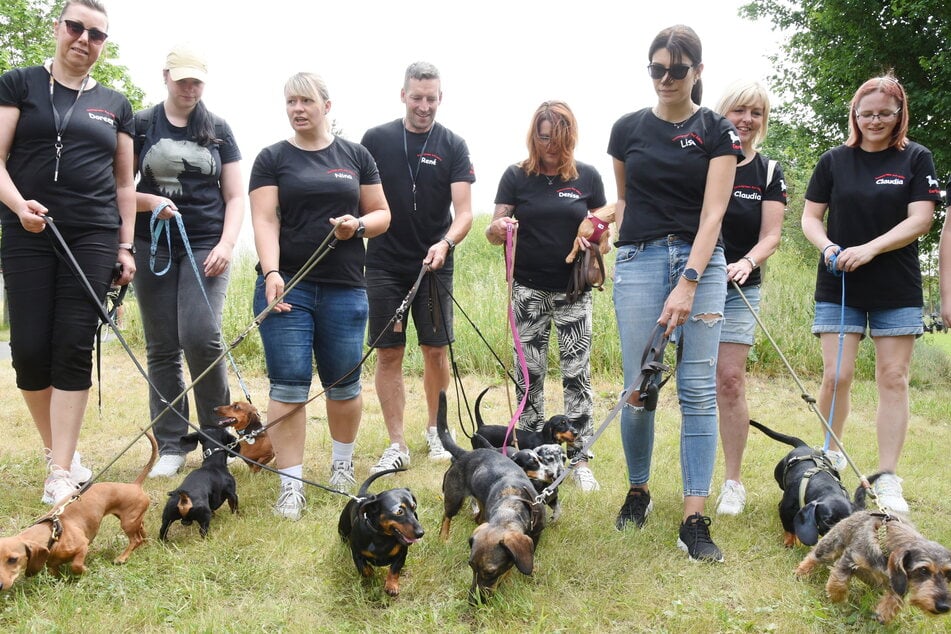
(386,291)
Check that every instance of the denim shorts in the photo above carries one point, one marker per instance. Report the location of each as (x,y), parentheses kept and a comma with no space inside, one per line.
(386,291)
(326,322)
(739,324)
(880,322)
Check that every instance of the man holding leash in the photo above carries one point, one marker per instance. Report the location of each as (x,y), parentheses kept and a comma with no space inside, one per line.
(425,169)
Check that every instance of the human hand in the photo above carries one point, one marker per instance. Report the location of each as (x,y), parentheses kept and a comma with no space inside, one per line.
(739,271)
(168,211)
(849,259)
(127,260)
(437,255)
(499,228)
(218,260)
(345,227)
(32,216)
(274,288)
(677,307)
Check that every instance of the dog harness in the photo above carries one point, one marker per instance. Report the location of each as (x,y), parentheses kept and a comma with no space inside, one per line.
(823,465)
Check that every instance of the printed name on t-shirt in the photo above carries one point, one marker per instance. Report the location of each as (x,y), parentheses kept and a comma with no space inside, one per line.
(749,192)
(429,158)
(342,173)
(569,192)
(106,117)
(890,179)
(688,140)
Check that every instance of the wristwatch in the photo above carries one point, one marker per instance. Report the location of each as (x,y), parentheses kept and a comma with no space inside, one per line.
(361,229)
(691,275)
(128,246)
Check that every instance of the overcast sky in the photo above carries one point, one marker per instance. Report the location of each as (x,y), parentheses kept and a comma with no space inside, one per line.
(498,60)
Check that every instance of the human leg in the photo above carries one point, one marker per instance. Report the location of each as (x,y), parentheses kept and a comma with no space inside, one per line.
(391,392)
(892,365)
(733,409)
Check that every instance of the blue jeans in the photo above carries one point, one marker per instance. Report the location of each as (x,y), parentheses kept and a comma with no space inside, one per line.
(327,323)
(177,322)
(644,276)
(739,324)
(880,322)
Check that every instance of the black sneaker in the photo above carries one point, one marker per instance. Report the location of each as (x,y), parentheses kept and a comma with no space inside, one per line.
(637,506)
(695,539)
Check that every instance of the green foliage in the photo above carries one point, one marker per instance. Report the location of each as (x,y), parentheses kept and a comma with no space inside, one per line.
(26,39)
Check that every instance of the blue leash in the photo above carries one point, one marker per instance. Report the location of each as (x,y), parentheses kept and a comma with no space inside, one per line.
(157,227)
(831,268)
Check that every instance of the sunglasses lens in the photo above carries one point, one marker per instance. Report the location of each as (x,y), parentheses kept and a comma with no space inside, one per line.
(97,36)
(75,28)
(656,71)
(679,71)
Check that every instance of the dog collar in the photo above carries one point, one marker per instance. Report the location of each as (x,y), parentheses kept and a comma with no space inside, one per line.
(56,528)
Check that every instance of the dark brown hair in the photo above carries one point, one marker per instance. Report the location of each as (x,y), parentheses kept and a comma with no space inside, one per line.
(682,42)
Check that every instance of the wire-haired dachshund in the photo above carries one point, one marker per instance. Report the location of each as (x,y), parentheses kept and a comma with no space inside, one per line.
(883,551)
(244,418)
(510,521)
(557,430)
(379,529)
(59,538)
(206,488)
(814,499)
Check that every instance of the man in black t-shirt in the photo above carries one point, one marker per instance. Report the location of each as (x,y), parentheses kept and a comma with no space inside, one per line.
(425,169)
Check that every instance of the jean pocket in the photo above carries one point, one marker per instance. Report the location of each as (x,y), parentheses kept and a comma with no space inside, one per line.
(626,254)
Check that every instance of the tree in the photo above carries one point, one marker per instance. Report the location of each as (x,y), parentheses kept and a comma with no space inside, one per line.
(26,39)
(833,46)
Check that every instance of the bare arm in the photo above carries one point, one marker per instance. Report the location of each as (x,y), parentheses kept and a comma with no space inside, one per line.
(944,266)
(232,191)
(918,222)
(125,197)
(620,176)
(495,232)
(30,212)
(266,222)
(374,212)
(771,227)
(458,230)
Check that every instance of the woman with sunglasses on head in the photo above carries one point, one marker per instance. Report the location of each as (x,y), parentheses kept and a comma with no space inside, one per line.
(301,189)
(189,164)
(751,230)
(547,196)
(65,152)
(674,164)
(867,203)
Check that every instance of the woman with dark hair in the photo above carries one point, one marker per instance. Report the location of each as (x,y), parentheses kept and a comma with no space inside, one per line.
(880,191)
(66,150)
(674,164)
(190,165)
(547,196)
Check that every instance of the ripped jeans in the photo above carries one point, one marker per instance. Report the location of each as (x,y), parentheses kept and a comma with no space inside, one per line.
(644,276)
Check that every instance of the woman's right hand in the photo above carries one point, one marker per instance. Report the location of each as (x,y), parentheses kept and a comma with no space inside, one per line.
(32,216)
(499,228)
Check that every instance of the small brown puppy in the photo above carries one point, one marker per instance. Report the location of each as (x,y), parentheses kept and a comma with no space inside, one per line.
(884,551)
(255,445)
(57,539)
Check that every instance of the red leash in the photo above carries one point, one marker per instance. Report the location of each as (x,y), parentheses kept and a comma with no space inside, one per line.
(510,241)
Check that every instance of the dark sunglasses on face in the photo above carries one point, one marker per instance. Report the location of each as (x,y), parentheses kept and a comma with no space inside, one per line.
(76,30)
(677,71)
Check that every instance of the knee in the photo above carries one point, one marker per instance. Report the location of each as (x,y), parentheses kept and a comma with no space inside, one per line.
(731,384)
(390,358)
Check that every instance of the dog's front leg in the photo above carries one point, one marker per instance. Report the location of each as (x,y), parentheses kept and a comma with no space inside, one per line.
(392,584)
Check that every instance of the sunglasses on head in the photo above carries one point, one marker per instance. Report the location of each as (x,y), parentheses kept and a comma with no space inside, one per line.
(677,71)
(76,30)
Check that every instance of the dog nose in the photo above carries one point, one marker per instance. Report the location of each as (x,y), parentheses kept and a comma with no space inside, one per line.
(941,608)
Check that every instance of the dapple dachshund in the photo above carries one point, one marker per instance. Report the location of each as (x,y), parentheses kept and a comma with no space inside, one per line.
(379,529)
(543,465)
(59,538)
(814,499)
(244,418)
(510,521)
(206,488)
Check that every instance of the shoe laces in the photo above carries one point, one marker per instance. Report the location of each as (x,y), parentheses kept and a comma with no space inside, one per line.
(392,457)
(635,504)
(291,495)
(585,477)
(698,526)
(888,485)
(342,473)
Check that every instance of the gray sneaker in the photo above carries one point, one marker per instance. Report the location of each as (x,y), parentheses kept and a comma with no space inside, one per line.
(393,458)
(436,451)
(291,501)
(341,475)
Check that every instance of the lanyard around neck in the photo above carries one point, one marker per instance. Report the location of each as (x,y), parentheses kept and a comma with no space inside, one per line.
(419,162)
(61,123)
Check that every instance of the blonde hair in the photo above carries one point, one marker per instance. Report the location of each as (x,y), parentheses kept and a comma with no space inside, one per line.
(309,85)
(747,93)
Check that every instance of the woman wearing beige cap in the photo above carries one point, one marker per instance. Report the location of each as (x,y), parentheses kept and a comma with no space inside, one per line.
(189,164)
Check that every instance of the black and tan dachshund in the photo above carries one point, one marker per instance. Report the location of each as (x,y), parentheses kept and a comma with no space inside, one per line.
(814,499)
(379,529)
(557,430)
(206,488)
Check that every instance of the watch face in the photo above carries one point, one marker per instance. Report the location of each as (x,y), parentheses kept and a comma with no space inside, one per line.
(691,275)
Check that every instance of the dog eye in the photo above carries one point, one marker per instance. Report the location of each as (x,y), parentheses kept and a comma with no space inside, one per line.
(400,511)
(12,560)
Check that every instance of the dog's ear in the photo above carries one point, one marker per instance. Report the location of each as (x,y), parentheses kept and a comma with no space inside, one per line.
(254,419)
(805,524)
(189,442)
(36,556)
(522,549)
(898,563)
(369,509)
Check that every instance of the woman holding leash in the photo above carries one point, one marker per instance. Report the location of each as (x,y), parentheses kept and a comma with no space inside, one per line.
(674,164)
(65,152)
(548,195)
(301,189)
(880,191)
(189,163)
(751,229)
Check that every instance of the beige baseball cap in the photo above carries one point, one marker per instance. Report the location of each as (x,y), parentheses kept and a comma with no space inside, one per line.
(185,62)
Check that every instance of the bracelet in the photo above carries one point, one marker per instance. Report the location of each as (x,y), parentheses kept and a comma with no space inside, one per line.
(827,247)
(750,260)
(600,227)
(271,271)
(448,240)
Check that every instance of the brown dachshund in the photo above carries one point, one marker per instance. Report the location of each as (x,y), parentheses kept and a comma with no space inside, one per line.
(255,445)
(64,534)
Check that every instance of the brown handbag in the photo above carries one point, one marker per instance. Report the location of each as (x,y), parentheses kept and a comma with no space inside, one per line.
(587,272)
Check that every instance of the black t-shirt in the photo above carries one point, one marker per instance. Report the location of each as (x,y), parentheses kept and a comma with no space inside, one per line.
(744,213)
(548,216)
(85,192)
(665,169)
(415,227)
(314,186)
(174,166)
(868,193)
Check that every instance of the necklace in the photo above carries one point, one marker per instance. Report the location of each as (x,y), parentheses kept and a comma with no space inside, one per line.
(677,125)
(419,159)
(550,179)
(61,123)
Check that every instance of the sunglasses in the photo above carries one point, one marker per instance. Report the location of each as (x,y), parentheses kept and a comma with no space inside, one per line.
(76,30)
(677,71)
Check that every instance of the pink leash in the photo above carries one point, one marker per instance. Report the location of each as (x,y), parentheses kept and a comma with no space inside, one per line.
(516,341)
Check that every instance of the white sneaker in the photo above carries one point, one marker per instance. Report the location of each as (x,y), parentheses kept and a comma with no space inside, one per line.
(436,450)
(77,472)
(167,466)
(837,458)
(887,489)
(58,485)
(291,501)
(393,458)
(732,498)
(585,479)
(341,475)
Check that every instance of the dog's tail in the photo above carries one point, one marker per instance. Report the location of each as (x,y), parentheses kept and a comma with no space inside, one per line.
(478,406)
(151,463)
(373,476)
(775,435)
(442,426)
(861,495)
